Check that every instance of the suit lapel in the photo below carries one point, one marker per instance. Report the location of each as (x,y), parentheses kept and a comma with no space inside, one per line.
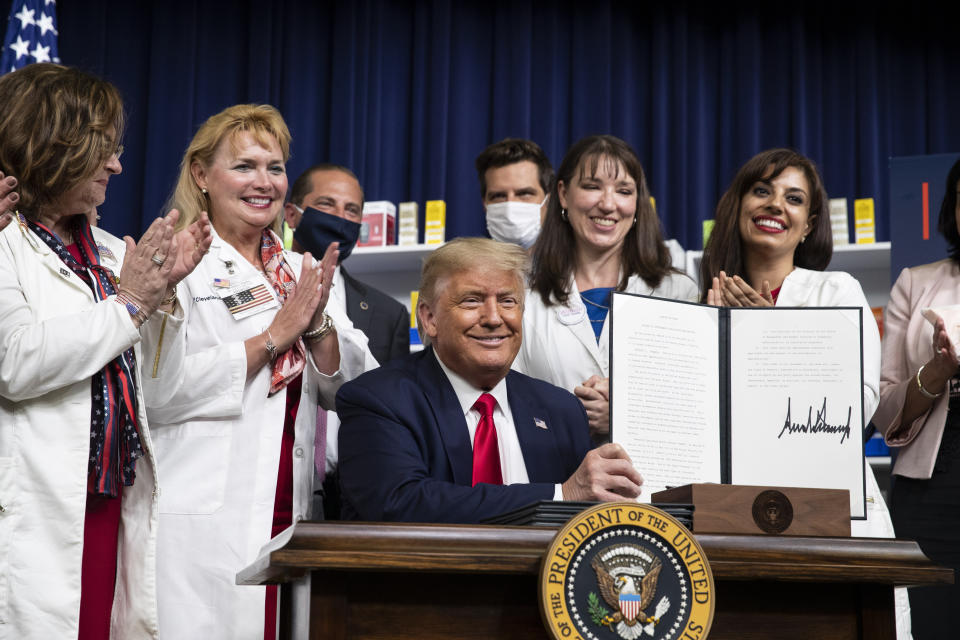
(449,418)
(355,294)
(537,441)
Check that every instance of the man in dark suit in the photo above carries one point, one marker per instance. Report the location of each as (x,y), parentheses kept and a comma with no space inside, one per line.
(451,434)
(326,205)
(334,190)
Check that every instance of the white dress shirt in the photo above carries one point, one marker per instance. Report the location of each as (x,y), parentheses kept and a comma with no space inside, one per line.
(512,465)
(338,301)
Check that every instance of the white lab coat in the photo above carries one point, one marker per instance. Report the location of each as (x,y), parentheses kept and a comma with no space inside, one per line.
(53,337)
(559,345)
(217,437)
(805,288)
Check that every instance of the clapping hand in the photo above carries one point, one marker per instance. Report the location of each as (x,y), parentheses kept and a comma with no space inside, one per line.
(188,246)
(305,305)
(8,199)
(146,268)
(944,360)
(325,268)
(735,292)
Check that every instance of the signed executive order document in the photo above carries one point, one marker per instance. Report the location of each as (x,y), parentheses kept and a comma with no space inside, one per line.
(767,396)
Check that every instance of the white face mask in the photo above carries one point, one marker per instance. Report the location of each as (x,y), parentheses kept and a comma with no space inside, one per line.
(514,222)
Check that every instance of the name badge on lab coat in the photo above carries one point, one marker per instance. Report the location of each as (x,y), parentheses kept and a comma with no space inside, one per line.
(247,298)
(573,313)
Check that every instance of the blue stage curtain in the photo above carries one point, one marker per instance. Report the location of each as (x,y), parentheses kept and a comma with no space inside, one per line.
(407,93)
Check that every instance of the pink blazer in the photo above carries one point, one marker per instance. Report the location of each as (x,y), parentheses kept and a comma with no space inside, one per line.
(908,344)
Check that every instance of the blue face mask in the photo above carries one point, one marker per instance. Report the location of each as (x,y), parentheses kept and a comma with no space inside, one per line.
(318,229)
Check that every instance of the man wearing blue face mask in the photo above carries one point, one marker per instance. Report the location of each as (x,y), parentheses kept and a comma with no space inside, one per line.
(515,177)
(326,205)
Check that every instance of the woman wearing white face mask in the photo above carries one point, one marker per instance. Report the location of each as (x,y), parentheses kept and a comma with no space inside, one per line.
(600,234)
(515,176)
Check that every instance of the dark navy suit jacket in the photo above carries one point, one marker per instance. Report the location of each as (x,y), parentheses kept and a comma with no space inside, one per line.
(405,451)
(385,321)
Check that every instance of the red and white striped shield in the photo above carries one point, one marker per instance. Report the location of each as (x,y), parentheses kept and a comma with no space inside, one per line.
(629,605)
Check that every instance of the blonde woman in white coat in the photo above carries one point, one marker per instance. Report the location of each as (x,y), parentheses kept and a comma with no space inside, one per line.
(250,341)
(78,500)
(770,245)
(600,234)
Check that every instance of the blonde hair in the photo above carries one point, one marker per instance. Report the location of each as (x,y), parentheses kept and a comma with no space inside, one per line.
(55,130)
(262,121)
(467,254)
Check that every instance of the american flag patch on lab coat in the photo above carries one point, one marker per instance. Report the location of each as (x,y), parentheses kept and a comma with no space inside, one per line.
(246,299)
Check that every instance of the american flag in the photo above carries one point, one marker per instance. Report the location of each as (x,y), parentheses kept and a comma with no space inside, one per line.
(31,34)
(245,299)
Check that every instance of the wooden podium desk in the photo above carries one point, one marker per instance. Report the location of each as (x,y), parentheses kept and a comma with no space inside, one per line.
(422,581)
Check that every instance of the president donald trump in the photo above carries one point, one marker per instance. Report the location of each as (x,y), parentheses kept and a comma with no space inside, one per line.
(451,434)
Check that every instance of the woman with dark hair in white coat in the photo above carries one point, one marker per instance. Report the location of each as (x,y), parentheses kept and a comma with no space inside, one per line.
(770,244)
(600,234)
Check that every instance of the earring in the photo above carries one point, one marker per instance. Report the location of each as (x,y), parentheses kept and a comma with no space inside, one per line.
(204,190)
(563,214)
(634,219)
(803,239)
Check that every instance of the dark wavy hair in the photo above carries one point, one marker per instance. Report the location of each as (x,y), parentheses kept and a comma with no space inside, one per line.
(947,225)
(55,130)
(724,250)
(554,254)
(511,151)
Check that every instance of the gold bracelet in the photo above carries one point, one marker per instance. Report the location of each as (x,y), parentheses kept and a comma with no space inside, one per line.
(924,392)
(326,326)
(171,299)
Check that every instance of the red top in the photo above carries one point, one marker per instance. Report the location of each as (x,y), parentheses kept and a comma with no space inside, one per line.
(98,573)
(283,499)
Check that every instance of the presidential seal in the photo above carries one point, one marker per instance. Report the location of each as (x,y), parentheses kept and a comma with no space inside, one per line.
(626,570)
(772,511)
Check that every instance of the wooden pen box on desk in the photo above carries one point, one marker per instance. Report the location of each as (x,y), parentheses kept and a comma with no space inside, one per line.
(789,511)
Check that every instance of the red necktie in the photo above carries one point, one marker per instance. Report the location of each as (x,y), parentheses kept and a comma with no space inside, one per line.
(486,452)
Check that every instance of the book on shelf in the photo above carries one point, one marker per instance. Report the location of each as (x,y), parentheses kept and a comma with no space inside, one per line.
(435,223)
(407,223)
(839,222)
(379,224)
(752,396)
(864,222)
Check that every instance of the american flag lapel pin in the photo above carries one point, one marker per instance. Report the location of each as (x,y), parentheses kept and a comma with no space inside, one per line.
(106,253)
(540,423)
